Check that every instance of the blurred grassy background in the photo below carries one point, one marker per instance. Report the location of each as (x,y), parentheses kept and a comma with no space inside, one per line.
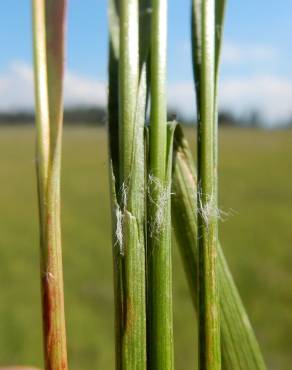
(255,188)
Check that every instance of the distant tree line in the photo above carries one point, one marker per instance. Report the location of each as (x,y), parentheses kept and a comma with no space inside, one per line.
(97,116)
(250,119)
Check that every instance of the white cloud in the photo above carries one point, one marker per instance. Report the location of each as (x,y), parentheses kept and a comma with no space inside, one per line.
(16,87)
(233,53)
(17,91)
(271,95)
(181,97)
(259,89)
(80,90)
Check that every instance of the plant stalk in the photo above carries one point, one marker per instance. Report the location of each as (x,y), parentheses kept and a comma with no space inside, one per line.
(208,294)
(160,316)
(127,104)
(48,40)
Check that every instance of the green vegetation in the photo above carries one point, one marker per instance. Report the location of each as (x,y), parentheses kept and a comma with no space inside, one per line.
(126,137)
(260,259)
(239,346)
(159,263)
(205,73)
(140,182)
(140,170)
(215,297)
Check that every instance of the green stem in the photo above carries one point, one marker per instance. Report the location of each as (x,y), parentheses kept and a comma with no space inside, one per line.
(240,349)
(158,96)
(113,138)
(208,297)
(160,327)
(128,82)
(126,134)
(48,31)
(219,23)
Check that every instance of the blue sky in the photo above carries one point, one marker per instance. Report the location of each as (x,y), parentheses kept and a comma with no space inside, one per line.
(256,71)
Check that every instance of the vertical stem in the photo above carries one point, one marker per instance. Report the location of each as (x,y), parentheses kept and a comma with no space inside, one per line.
(208,299)
(219,22)
(160,328)
(41,92)
(219,25)
(48,31)
(158,95)
(128,82)
(113,141)
(128,183)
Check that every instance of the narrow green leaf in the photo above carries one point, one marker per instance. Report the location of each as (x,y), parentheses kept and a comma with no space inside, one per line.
(113,97)
(196,22)
(219,23)
(240,349)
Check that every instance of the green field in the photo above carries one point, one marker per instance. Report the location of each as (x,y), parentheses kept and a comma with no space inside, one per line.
(255,188)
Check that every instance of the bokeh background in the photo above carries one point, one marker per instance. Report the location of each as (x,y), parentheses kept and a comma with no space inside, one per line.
(254,169)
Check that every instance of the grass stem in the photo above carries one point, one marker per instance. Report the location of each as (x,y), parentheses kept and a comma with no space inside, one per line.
(160,327)
(48,40)
(208,295)
(127,156)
